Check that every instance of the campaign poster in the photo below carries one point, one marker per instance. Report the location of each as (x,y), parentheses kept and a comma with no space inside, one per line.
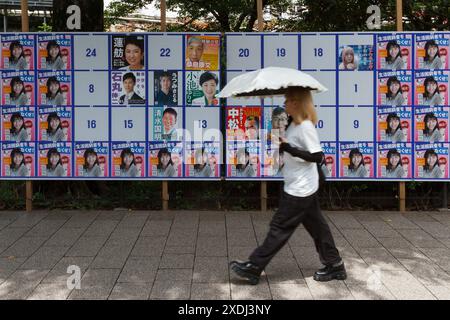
(18,88)
(243,159)
(394,51)
(127,52)
(55,159)
(17,52)
(18,159)
(55,124)
(431,124)
(432,51)
(202,159)
(243,123)
(356,160)
(394,160)
(356,58)
(166,88)
(128,159)
(19,124)
(166,123)
(55,88)
(91,159)
(202,52)
(128,88)
(165,159)
(394,124)
(431,88)
(272,161)
(202,88)
(395,88)
(54,52)
(431,160)
(329,167)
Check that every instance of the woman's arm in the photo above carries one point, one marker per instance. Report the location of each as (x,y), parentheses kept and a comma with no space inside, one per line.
(305,155)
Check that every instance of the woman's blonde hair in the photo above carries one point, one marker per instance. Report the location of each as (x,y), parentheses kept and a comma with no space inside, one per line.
(304,109)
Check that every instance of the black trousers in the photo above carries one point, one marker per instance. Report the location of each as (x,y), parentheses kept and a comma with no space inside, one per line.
(291,212)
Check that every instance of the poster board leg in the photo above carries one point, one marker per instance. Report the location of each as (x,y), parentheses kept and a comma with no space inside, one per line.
(29,196)
(402,196)
(165,195)
(263,196)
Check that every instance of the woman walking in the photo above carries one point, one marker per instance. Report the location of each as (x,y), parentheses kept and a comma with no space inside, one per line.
(299,203)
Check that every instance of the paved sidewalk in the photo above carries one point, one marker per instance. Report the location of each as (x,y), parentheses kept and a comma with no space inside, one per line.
(185,255)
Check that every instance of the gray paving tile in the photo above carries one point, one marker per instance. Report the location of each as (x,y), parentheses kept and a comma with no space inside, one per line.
(374,292)
(112,215)
(211,247)
(59,273)
(10,235)
(50,291)
(333,290)
(28,220)
(65,237)
(239,220)
(87,246)
(45,228)
(241,237)
(134,220)
(177,261)
(211,229)
(8,265)
(138,270)
(239,253)
(174,275)
(398,221)
(24,247)
(345,221)
(155,228)
(131,291)
(210,291)
(111,257)
(404,286)
(284,270)
(173,290)
(45,258)
(80,221)
(307,257)
(96,284)
(100,228)
(440,292)
(211,269)
(180,249)
(21,284)
(241,290)
(290,291)
(149,246)
(426,272)
(380,258)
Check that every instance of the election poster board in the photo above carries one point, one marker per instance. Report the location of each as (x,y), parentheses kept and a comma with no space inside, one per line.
(385,115)
(110,106)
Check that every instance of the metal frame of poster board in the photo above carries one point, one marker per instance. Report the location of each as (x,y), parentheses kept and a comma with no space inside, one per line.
(320,55)
(88,74)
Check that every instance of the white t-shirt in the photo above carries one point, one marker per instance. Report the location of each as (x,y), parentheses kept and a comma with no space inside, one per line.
(301,178)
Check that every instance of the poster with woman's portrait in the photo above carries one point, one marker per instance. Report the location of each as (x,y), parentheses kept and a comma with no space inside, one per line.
(243,159)
(202,159)
(91,159)
(431,160)
(55,88)
(329,166)
(431,124)
(202,88)
(55,124)
(127,52)
(54,52)
(128,159)
(431,88)
(17,52)
(356,160)
(165,159)
(55,159)
(18,88)
(356,58)
(394,160)
(18,124)
(395,88)
(432,51)
(394,124)
(394,51)
(18,159)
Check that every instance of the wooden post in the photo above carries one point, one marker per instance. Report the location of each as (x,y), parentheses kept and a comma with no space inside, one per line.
(165,195)
(259,9)
(163,16)
(24,11)
(263,196)
(402,188)
(165,184)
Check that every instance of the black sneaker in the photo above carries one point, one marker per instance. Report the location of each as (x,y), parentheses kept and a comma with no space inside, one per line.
(246,270)
(331,272)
